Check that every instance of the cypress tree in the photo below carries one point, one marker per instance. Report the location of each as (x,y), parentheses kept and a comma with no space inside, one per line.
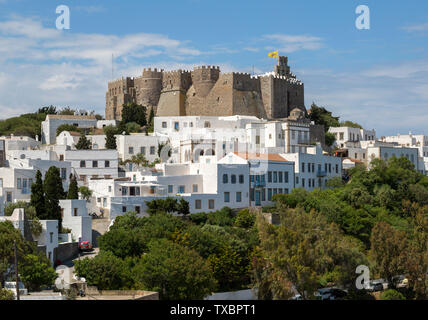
(73,189)
(110,140)
(38,196)
(151,117)
(52,195)
(83,143)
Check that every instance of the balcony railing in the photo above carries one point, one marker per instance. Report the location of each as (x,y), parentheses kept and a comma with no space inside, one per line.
(321,173)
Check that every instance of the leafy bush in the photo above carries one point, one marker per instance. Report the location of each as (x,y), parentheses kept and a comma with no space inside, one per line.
(392,294)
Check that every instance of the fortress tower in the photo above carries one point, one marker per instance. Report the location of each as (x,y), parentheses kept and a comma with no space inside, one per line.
(148,87)
(204,78)
(172,98)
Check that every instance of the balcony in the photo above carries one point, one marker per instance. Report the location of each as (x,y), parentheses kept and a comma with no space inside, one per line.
(321,173)
(259,184)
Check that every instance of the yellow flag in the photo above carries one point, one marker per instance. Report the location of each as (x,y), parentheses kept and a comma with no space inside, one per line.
(273,54)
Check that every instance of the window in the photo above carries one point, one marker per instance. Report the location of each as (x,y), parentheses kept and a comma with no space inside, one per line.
(337,168)
(211,204)
(131,150)
(75,212)
(285,176)
(109,188)
(225,178)
(275,191)
(251,178)
(303,167)
(233,178)
(195,188)
(198,204)
(124,191)
(143,150)
(152,150)
(18,183)
(280,177)
(297,180)
(8,196)
(176,125)
(227,197)
(82,164)
(257,139)
(170,188)
(269,176)
(303,182)
(263,194)
(61,157)
(181,189)
(275,177)
(251,194)
(137,209)
(309,167)
(94,164)
(238,197)
(241,178)
(285,191)
(341,136)
(107,164)
(313,167)
(164,124)
(124,209)
(329,167)
(104,202)
(269,194)
(280,190)
(51,237)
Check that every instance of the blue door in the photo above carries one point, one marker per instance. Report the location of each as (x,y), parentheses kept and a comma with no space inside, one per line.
(258,202)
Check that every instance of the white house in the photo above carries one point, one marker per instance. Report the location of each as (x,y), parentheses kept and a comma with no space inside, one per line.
(270,174)
(314,169)
(53,121)
(350,134)
(87,164)
(48,237)
(75,216)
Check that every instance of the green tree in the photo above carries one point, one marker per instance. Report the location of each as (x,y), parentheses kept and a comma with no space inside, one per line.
(36,271)
(85,192)
(388,251)
(176,272)
(123,242)
(330,138)
(391,294)
(133,112)
(309,251)
(38,196)
(133,127)
(53,193)
(350,124)
(67,111)
(6,295)
(245,219)
(48,110)
(105,271)
(183,207)
(321,116)
(8,234)
(67,127)
(110,140)
(83,143)
(73,189)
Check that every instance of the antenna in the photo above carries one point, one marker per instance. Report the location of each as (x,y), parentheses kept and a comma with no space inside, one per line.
(112,66)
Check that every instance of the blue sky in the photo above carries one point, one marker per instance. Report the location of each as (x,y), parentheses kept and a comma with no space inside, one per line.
(377,77)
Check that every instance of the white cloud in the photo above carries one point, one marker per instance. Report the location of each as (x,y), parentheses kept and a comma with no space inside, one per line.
(291,43)
(416,27)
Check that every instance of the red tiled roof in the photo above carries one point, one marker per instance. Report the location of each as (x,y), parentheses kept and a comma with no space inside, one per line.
(261,156)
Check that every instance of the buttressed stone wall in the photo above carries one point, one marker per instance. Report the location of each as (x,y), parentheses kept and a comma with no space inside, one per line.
(205,91)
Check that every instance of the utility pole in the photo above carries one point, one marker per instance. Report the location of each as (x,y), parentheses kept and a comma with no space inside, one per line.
(16,270)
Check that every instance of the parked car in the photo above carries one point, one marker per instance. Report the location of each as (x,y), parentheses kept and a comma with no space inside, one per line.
(332,293)
(85,246)
(375,287)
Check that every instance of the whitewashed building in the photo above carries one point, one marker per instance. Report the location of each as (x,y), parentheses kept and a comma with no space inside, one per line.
(313,170)
(75,216)
(53,121)
(350,134)
(87,164)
